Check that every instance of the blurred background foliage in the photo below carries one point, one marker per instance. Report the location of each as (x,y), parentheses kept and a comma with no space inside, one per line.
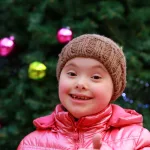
(34,24)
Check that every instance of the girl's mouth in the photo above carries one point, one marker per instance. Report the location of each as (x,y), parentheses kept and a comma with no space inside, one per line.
(80,97)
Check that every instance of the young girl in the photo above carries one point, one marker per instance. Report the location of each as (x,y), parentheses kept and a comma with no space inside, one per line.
(91,72)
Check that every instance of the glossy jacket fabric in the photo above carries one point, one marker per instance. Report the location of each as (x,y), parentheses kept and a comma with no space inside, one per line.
(121,129)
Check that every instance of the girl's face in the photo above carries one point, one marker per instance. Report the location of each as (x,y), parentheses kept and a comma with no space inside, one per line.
(85,87)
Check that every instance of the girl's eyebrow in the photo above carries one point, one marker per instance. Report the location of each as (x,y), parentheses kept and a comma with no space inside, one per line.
(71,65)
(100,67)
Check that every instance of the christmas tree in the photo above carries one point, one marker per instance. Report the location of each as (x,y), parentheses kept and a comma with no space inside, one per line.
(34,25)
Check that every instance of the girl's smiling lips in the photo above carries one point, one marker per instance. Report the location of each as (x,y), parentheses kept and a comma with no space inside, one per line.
(80,96)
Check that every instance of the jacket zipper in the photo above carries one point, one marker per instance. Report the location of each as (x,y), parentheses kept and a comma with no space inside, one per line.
(76,137)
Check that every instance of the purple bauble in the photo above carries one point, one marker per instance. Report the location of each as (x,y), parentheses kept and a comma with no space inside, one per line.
(64,35)
(6,45)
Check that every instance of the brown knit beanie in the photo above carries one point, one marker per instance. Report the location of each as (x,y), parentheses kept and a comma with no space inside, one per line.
(102,49)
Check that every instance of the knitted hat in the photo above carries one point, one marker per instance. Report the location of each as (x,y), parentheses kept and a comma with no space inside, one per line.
(102,49)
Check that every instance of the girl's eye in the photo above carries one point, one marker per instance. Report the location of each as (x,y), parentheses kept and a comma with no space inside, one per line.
(71,74)
(96,77)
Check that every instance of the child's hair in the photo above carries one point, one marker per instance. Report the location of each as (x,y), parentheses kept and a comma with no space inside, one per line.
(102,49)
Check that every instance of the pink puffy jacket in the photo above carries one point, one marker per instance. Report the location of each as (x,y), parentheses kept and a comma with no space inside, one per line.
(121,129)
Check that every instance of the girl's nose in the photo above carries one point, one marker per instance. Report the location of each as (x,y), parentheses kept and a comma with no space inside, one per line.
(81,85)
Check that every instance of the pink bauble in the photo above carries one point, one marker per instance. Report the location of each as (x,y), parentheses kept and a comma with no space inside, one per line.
(6,45)
(64,35)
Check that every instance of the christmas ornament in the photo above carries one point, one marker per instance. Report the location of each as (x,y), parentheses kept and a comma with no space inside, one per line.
(37,70)
(64,35)
(6,45)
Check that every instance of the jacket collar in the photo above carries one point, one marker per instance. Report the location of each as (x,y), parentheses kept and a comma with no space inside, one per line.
(66,120)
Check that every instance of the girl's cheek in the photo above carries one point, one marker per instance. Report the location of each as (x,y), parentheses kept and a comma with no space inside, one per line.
(64,86)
